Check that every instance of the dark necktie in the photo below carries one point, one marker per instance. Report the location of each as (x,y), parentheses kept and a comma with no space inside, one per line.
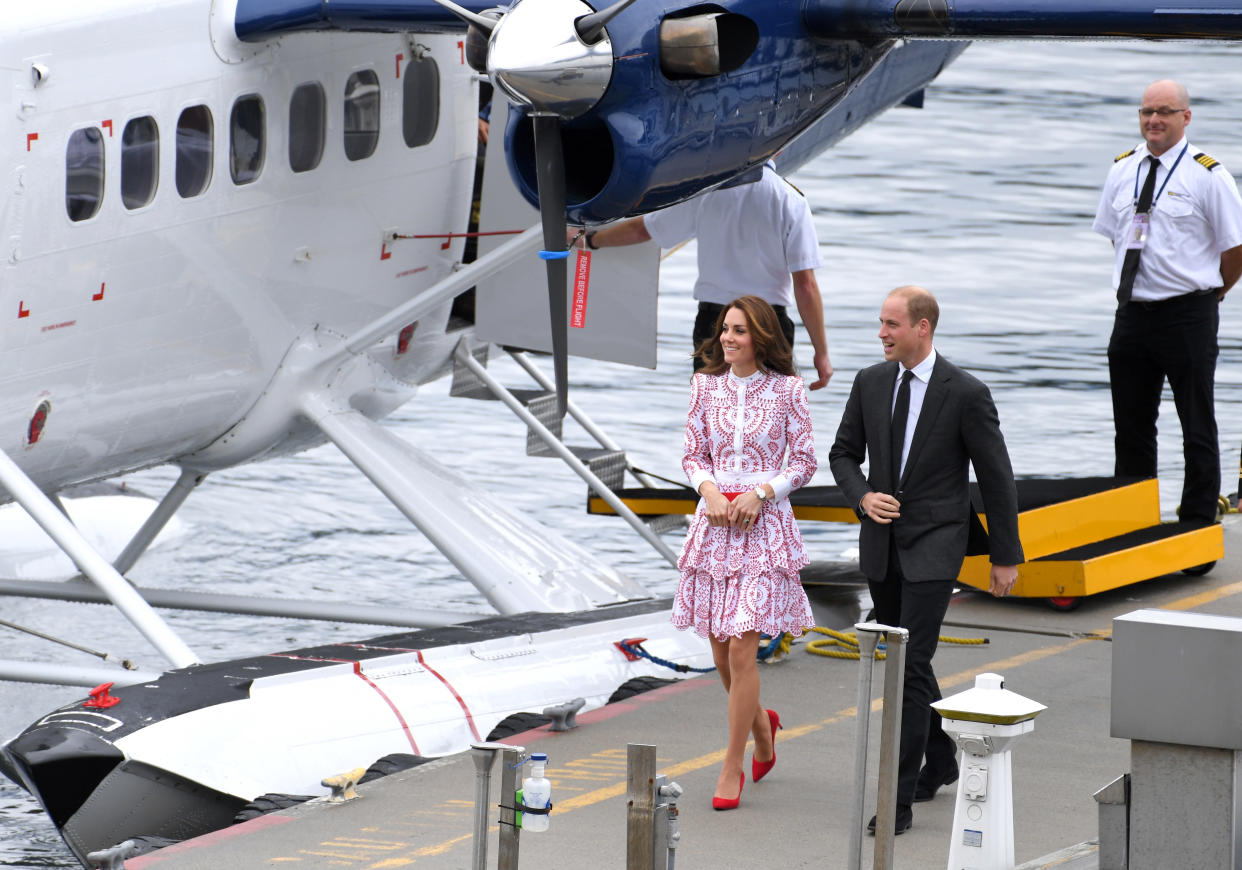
(901,412)
(1129,267)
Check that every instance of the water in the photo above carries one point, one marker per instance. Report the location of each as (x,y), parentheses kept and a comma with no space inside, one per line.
(985,196)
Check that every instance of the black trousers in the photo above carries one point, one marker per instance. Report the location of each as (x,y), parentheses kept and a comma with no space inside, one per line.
(705,326)
(920,608)
(1174,339)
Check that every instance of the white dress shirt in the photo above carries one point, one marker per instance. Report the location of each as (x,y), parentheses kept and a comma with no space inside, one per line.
(1196,216)
(751,238)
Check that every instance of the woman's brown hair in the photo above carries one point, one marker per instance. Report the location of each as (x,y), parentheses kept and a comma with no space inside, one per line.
(772,350)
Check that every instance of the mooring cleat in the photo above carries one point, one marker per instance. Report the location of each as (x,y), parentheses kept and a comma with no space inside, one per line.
(564,716)
(343,784)
(113,858)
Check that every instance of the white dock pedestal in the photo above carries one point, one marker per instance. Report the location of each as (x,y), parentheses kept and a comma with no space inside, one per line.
(985,722)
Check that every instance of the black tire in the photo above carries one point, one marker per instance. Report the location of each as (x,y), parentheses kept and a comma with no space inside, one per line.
(393,763)
(269,803)
(516,723)
(636,686)
(1199,570)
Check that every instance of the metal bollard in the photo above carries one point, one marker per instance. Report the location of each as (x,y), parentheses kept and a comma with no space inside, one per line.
(890,741)
(114,857)
(565,716)
(640,806)
(484,755)
(510,834)
(652,834)
(344,785)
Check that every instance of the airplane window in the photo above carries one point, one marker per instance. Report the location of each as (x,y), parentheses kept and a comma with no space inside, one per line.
(420,112)
(362,114)
(140,161)
(194,151)
(84,173)
(246,143)
(306,126)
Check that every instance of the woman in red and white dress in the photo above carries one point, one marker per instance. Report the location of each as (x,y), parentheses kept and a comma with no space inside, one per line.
(748,445)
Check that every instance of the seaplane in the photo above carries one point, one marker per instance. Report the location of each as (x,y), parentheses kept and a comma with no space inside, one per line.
(238,229)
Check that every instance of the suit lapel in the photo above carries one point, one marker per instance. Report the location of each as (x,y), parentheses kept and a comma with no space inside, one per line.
(933,401)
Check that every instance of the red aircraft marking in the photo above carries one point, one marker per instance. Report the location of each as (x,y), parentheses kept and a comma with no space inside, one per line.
(400,57)
(31,137)
(96,297)
(108,124)
(357,666)
(384,252)
(460,701)
(22,310)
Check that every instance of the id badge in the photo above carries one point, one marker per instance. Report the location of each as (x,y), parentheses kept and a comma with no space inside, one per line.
(1137,238)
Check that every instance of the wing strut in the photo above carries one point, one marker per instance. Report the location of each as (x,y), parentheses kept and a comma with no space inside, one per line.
(94,566)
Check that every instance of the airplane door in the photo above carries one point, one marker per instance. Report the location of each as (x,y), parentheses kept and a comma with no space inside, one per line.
(612,314)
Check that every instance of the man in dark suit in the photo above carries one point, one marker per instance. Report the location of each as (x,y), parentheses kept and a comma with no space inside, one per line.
(921,421)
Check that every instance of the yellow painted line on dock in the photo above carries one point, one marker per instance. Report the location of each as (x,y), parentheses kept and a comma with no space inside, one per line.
(791,732)
(1204,597)
(610,763)
(424,852)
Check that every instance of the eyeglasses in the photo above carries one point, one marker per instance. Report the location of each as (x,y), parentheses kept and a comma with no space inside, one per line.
(1163,112)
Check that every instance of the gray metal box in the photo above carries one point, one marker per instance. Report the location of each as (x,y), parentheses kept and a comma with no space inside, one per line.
(1177,678)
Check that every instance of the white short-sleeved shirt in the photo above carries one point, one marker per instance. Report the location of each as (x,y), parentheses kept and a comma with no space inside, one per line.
(751,237)
(1196,216)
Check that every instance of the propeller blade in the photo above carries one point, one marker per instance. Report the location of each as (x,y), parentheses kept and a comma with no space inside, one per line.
(550,178)
(487,25)
(590,27)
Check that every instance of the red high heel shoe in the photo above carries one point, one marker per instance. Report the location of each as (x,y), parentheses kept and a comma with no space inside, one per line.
(760,769)
(719,803)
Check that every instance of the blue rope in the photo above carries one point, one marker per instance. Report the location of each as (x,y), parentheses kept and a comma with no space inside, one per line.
(637,649)
(765,652)
(554,255)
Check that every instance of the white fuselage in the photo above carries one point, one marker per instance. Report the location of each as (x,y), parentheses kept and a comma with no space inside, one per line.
(147,329)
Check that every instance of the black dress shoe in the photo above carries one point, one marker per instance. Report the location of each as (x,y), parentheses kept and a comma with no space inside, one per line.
(903,822)
(929,783)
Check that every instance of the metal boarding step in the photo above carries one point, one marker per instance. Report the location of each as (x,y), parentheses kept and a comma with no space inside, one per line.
(1081,536)
(602,466)
(1141,554)
(606,463)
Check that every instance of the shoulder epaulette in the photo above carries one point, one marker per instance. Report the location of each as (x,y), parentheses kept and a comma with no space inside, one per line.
(794,186)
(1121,157)
(1206,162)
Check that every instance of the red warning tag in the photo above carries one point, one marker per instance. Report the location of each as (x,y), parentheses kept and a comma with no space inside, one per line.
(582,282)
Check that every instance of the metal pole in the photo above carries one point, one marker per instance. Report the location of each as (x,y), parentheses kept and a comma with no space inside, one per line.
(890,746)
(576,412)
(510,833)
(43,511)
(867,641)
(640,806)
(672,833)
(158,519)
(465,358)
(85,676)
(180,599)
(484,755)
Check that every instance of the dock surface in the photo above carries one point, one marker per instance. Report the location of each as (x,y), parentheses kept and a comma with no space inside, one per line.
(798,817)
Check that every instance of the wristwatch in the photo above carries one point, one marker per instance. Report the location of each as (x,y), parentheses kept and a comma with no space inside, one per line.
(761,493)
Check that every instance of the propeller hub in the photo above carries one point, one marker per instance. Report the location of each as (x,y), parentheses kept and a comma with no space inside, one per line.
(538,59)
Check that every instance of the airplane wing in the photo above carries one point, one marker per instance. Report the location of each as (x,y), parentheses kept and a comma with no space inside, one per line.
(982,19)
(257,20)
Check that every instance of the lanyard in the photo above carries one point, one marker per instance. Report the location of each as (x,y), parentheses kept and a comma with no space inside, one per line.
(1139,168)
